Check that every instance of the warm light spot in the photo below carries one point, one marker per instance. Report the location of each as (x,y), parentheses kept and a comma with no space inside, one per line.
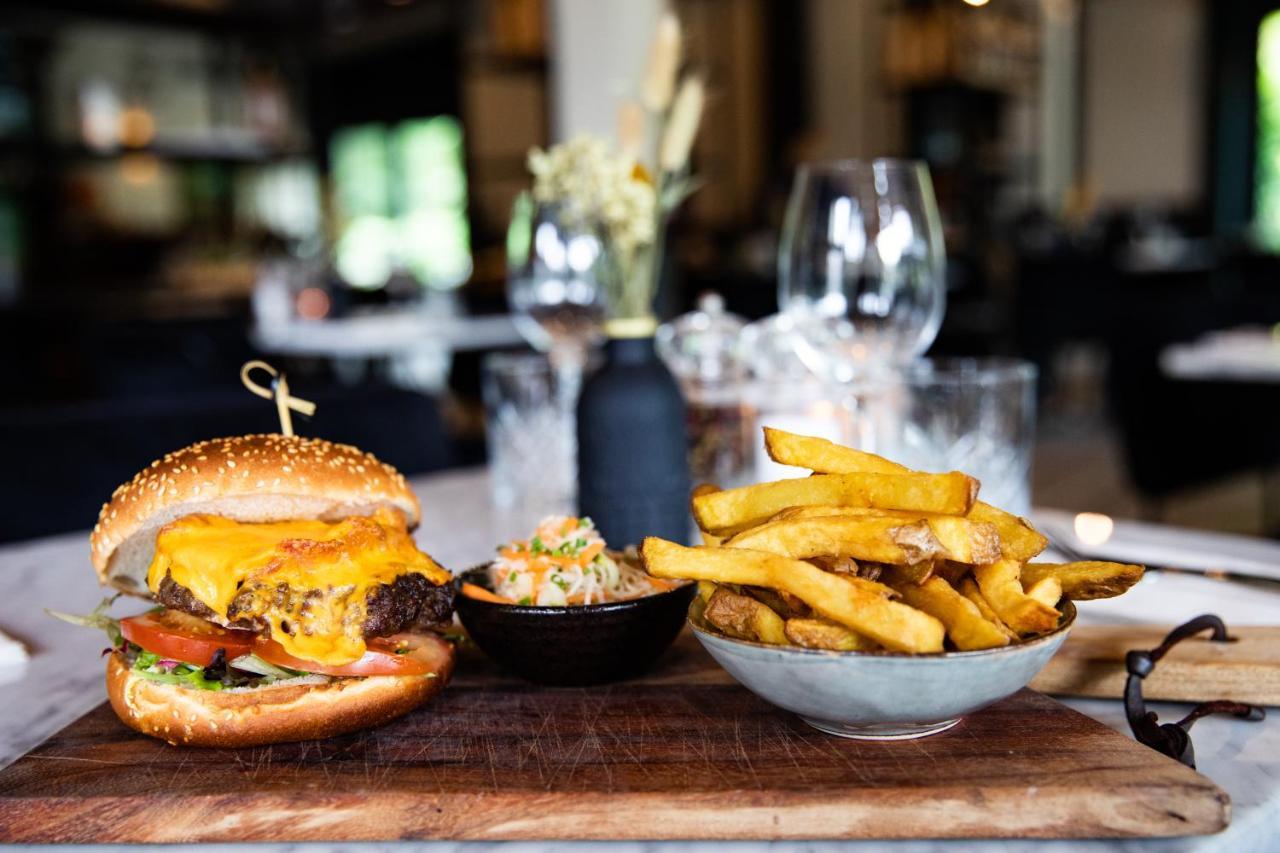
(823,410)
(137,127)
(313,303)
(139,169)
(1093,528)
(976,2)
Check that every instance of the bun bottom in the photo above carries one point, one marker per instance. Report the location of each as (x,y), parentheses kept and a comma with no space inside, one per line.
(185,716)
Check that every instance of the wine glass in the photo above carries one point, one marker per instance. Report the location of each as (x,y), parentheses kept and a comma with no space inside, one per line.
(861,264)
(556,269)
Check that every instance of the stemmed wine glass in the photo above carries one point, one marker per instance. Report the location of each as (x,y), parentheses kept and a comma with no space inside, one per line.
(861,264)
(556,269)
(556,277)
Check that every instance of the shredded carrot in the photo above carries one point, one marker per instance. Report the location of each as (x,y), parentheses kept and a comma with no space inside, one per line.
(589,553)
(479,593)
(661,583)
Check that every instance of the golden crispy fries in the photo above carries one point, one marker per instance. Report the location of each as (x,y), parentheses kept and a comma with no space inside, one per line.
(968,587)
(1001,587)
(1047,591)
(745,618)
(848,601)
(1018,540)
(965,624)
(825,634)
(707,489)
(881,540)
(734,510)
(1087,580)
(964,540)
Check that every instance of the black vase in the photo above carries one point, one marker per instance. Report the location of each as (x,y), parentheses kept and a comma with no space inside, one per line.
(633,464)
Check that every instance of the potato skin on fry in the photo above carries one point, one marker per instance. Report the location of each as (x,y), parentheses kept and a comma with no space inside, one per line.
(855,603)
(1085,581)
(743,617)
(779,601)
(827,635)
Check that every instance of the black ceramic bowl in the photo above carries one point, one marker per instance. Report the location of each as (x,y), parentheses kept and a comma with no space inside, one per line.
(587,644)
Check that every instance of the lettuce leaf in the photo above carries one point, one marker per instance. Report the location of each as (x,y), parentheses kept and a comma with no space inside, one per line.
(97,618)
(148,665)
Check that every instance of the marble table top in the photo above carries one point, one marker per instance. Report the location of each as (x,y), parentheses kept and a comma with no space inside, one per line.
(64,677)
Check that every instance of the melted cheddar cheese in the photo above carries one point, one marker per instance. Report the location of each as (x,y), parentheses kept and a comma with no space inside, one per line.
(306,579)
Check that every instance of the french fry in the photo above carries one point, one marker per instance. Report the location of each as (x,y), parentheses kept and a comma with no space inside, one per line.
(1018,539)
(855,605)
(1047,591)
(880,540)
(1000,585)
(706,489)
(964,540)
(734,510)
(965,624)
(968,587)
(1086,580)
(825,634)
(745,618)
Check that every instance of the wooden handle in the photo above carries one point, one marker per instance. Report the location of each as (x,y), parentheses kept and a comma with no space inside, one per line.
(1091,663)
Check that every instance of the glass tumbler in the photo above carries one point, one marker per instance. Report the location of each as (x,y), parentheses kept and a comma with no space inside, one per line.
(970,415)
(532,448)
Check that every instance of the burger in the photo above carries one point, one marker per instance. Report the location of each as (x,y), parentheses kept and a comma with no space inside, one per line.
(293,602)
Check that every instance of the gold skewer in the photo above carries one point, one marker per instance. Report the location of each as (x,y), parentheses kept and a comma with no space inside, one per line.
(279,392)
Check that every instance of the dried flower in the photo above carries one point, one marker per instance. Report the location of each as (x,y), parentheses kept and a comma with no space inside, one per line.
(594,184)
(631,127)
(659,81)
(677,141)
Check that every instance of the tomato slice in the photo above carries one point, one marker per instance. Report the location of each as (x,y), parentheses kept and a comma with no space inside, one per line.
(178,636)
(401,654)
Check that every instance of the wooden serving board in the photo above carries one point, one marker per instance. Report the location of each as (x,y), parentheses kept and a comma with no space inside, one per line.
(1091,663)
(683,754)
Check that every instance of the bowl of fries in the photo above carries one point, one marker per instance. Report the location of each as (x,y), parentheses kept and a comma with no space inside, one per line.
(872,600)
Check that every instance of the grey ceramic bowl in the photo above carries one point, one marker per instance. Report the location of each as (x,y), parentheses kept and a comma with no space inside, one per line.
(882,695)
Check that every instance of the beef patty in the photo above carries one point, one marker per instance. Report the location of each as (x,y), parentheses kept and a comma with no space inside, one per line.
(410,601)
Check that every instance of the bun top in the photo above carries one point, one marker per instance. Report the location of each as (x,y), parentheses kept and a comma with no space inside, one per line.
(251,478)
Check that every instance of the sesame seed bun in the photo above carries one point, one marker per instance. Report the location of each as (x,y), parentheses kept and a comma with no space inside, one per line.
(186,716)
(254,478)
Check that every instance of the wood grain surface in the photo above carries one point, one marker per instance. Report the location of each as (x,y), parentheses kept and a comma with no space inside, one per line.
(1091,663)
(682,754)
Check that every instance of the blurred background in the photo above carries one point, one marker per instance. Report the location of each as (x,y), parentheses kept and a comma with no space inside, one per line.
(327,184)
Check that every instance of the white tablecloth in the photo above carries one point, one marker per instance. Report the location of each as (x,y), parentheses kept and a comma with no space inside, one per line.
(64,677)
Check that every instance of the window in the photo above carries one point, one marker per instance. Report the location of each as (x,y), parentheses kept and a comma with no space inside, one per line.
(1266,177)
(401,198)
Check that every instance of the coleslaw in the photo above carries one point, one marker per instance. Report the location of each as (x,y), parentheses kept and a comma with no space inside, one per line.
(566,563)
